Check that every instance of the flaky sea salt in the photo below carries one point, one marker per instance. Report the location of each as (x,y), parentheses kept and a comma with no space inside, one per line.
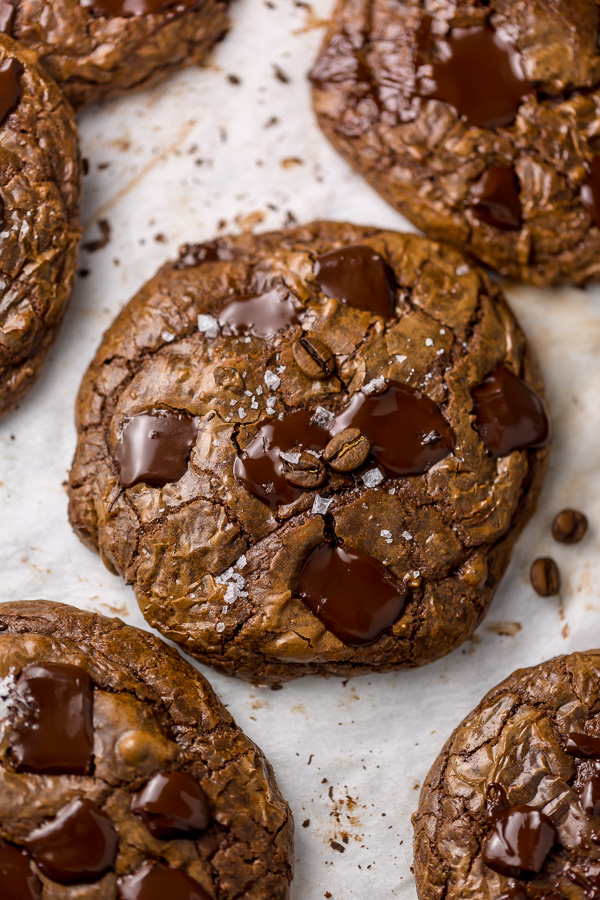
(462,270)
(376,384)
(208,325)
(221,627)
(290,457)
(386,535)
(321,505)
(167,336)
(400,357)
(323,418)
(235,584)
(7,685)
(241,562)
(372,478)
(407,536)
(272,380)
(428,342)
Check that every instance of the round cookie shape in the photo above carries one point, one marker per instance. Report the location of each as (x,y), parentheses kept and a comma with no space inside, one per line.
(476,120)
(509,810)
(99,49)
(335,449)
(40,186)
(122,774)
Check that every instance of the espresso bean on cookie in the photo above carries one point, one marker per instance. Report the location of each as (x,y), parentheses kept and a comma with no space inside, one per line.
(477,119)
(510,809)
(123,777)
(311,451)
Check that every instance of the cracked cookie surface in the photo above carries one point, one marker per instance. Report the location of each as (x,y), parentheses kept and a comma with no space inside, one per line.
(39,209)
(214,557)
(138,718)
(99,49)
(534,740)
(404,89)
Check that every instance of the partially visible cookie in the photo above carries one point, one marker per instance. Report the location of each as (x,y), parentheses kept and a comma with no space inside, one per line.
(98,49)
(40,188)
(511,807)
(477,119)
(311,451)
(122,775)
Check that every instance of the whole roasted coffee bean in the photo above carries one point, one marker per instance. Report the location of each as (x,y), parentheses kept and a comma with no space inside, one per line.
(569,526)
(303,469)
(545,577)
(347,450)
(313,357)
(229,378)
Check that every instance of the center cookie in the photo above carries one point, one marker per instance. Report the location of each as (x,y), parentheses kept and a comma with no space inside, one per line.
(311,451)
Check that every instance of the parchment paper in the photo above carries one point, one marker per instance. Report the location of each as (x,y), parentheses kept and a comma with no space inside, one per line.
(203,154)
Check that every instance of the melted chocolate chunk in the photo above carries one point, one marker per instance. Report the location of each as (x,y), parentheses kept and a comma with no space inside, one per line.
(17,880)
(7,16)
(128,8)
(495,198)
(51,720)
(354,595)
(590,796)
(407,431)
(480,75)
(518,842)
(79,845)
(10,87)
(358,276)
(590,192)
(261,468)
(260,316)
(155,881)
(509,414)
(155,447)
(173,804)
(583,746)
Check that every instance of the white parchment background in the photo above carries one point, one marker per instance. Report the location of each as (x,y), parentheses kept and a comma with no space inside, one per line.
(196,156)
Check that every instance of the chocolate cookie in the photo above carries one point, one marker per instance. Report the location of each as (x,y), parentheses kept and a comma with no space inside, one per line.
(477,119)
(311,451)
(510,809)
(122,774)
(98,49)
(40,187)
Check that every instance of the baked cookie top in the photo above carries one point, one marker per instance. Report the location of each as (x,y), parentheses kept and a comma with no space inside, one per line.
(510,809)
(122,774)
(477,120)
(310,451)
(98,49)
(40,188)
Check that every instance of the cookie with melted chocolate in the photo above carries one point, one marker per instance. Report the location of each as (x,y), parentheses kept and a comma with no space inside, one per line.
(305,455)
(114,758)
(40,190)
(99,49)
(511,807)
(476,121)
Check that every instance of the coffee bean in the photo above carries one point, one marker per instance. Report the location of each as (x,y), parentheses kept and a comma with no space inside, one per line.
(347,450)
(545,577)
(307,472)
(313,357)
(228,378)
(569,526)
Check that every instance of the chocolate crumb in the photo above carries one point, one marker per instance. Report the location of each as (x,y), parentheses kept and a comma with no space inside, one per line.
(280,75)
(306,823)
(336,846)
(101,242)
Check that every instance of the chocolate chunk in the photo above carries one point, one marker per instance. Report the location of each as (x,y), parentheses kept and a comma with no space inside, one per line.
(17,880)
(313,358)
(583,746)
(519,842)
(51,720)
(173,804)
(590,796)
(7,16)
(155,881)
(407,431)
(495,198)
(354,595)
(261,467)
(10,87)
(126,8)
(480,75)
(358,276)
(545,577)
(509,414)
(347,450)
(80,844)
(260,316)
(590,192)
(569,526)
(155,447)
